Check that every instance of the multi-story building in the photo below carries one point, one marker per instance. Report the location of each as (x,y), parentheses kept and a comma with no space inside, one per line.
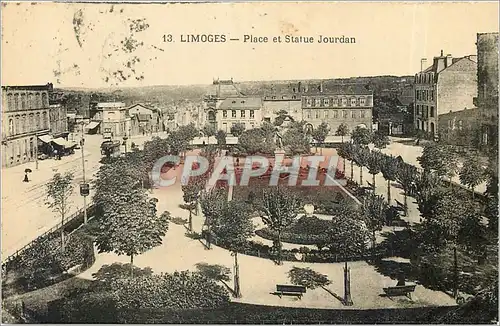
(25,117)
(487,86)
(239,110)
(348,104)
(110,117)
(150,119)
(448,85)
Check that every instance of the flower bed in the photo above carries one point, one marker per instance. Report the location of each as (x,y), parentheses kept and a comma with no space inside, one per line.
(307,230)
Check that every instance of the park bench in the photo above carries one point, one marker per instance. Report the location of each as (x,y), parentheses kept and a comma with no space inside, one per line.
(404,290)
(292,290)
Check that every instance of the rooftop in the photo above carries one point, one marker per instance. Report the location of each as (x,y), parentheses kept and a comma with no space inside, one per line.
(241,103)
(47,87)
(111,105)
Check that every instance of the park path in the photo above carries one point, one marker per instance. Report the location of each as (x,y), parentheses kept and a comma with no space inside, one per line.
(259,276)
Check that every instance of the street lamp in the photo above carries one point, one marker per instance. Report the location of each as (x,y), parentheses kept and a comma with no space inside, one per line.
(84,186)
(125,143)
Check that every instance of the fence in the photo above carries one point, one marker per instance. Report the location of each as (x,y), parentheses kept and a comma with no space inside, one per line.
(70,223)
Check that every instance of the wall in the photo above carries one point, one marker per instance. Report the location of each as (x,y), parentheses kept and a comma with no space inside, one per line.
(352,117)
(487,66)
(460,128)
(457,86)
(270,108)
(226,123)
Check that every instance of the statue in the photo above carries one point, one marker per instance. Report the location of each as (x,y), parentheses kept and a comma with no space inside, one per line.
(278,138)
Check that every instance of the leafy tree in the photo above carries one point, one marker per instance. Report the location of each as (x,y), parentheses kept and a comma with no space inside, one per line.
(279,208)
(380,140)
(440,159)
(319,134)
(346,151)
(375,212)
(405,176)
(427,192)
(361,156)
(59,191)
(221,138)
(342,130)
(209,130)
(212,204)
(188,132)
(105,276)
(296,141)
(254,141)
(234,227)
(237,129)
(347,237)
(389,169)
(374,164)
(268,129)
(361,136)
(472,173)
(129,224)
(191,193)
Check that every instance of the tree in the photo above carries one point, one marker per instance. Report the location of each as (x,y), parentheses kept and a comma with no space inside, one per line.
(319,134)
(342,130)
(361,156)
(374,164)
(389,169)
(253,141)
(380,140)
(237,129)
(212,204)
(296,141)
(427,192)
(439,158)
(221,138)
(405,177)
(361,136)
(348,236)
(59,191)
(129,224)
(346,151)
(191,193)
(234,227)
(209,131)
(472,173)
(279,208)
(375,212)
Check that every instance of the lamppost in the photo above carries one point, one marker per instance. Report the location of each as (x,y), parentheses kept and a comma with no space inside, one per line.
(84,186)
(125,143)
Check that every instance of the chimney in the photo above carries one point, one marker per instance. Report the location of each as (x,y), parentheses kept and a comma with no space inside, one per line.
(448,61)
(300,87)
(441,52)
(321,87)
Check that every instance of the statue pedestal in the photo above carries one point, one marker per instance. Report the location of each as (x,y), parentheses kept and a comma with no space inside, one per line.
(279,155)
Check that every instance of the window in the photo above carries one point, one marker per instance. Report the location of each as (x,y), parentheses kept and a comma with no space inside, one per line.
(234,102)
(362,114)
(317,102)
(252,114)
(45,102)
(353,101)
(362,101)
(344,114)
(283,97)
(317,114)
(432,112)
(224,114)
(344,101)
(432,95)
(23,101)
(326,101)
(45,122)
(309,102)
(294,97)
(353,114)
(242,113)
(233,113)
(339,102)
(308,114)
(326,115)
(335,114)
(11,127)
(460,124)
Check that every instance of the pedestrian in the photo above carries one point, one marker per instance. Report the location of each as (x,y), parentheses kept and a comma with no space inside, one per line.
(26,177)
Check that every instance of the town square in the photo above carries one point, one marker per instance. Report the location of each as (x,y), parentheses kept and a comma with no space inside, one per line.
(250,199)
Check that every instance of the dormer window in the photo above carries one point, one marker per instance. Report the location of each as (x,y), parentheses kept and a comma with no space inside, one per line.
(242,101)
(234,102)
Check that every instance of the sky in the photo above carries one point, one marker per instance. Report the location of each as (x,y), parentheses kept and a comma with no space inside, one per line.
(80,45)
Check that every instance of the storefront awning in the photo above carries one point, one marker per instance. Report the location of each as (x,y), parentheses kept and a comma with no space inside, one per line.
(45,138)
(92,125)
(63,142)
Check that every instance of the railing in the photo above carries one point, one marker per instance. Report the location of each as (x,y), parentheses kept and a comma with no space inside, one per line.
(64,224)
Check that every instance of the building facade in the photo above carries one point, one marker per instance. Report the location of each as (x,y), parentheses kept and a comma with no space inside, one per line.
(58,119)
(150,119)
(343,104)
(449,85)
(25,117)
(109,117)
(237,110)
